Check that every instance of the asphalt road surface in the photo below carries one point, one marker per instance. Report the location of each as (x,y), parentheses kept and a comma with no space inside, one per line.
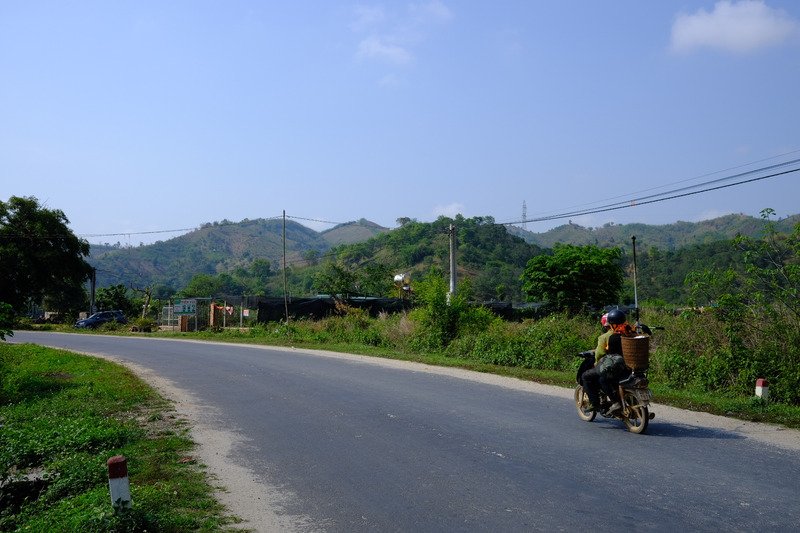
(313,441)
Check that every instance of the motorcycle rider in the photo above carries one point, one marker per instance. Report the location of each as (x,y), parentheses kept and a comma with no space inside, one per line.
(606,370)
(602,340)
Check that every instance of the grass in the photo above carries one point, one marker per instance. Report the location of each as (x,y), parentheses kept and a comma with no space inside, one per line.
(62,416)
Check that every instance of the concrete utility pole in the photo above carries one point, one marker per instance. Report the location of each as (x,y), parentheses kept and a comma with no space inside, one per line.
(452,261)
(285,292)
(92,290)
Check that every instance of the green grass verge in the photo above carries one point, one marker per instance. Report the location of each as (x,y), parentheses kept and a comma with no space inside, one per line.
(62,415)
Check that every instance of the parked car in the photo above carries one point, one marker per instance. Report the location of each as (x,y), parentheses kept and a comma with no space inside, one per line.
(98,319)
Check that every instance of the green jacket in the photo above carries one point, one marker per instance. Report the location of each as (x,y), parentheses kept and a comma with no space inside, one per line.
(602,345)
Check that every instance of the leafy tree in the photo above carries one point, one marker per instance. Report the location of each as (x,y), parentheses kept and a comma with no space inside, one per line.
(6,321)
(498,281)
(114,297)
(375,280)
(575,277)
(207,285)
(261,270)
(163,292)
(760,314)
(311,257)
(39,255)
(335,279)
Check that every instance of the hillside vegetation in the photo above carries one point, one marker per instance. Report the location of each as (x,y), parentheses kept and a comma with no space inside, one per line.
(664,237)
(216,248)
(491,256)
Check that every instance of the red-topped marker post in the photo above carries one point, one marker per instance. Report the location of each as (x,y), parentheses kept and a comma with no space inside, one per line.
(762,389)
(118,482)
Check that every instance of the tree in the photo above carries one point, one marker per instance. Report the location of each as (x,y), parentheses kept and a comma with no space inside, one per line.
(335,279)
(114,297)
(311,257)
(206,285)
(759,312)
(40,257)
(575,277)
(201,285)
(6,321)
(261,270)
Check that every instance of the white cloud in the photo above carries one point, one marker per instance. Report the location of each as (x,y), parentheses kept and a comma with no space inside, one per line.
(374,47)
(734,26)
(431,12)
(394,36)
(450,210)
(367,17)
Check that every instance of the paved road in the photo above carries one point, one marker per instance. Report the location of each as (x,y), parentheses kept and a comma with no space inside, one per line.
(351,445)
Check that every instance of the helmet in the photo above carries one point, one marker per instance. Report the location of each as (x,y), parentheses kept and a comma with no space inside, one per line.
(615,317)
(604,320)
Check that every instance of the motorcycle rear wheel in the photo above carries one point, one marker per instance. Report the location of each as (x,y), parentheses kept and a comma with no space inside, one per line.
(582,405)
(638,416)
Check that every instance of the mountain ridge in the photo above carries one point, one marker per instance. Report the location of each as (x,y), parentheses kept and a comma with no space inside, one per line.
(217,248)
(665,236)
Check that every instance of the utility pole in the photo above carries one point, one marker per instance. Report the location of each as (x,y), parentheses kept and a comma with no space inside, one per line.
(635,292)
(92,290)
(452,262)
(285,292)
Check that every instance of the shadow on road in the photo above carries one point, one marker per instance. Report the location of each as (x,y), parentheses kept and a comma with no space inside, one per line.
(682,431)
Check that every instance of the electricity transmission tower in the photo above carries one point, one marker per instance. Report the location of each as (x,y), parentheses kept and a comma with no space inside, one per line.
(524,215)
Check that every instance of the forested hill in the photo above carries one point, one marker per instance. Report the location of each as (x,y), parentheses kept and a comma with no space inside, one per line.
(218,247)
(486,252)
(491,255)
(664,237)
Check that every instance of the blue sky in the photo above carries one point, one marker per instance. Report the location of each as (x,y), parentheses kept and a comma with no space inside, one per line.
(143,116)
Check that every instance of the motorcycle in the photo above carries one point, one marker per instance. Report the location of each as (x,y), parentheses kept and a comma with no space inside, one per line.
(634,394)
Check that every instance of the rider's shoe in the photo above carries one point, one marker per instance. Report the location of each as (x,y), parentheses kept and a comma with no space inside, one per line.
(615,408)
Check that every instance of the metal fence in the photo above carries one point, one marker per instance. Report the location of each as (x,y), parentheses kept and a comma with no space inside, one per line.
(210,313)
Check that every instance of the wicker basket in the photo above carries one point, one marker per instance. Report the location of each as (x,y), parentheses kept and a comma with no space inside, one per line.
(636,351)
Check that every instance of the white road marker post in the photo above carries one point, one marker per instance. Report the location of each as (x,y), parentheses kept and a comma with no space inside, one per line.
(118,482)
(762,389)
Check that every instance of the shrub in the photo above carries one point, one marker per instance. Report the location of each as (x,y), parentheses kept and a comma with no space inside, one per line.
(145,325)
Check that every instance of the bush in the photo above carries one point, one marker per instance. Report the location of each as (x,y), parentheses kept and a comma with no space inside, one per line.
(548,344)
(144,325)
(442,318)
(6,321)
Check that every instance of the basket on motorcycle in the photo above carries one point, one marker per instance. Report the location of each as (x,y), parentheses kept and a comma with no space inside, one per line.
(636,352)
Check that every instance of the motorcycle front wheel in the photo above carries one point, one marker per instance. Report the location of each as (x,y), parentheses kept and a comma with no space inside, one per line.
(582,405)
(637,416)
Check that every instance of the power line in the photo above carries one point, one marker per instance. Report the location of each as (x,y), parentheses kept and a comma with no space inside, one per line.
(128,233)
(644,200)
(352,222)
(689,179)
(627,203)
(195,228)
